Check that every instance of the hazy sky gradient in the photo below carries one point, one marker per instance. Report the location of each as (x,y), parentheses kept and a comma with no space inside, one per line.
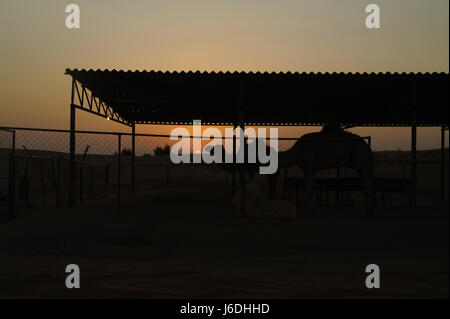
(257,35)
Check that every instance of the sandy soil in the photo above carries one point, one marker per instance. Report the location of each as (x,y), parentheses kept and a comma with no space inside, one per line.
(191,247)
(183,240)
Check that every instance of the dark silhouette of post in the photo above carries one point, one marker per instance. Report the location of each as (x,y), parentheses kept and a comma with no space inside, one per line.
(338,177)
(285,178)
(41,170)
(85,153)
(72,173)
(119,150)
(91,179)
(11,187)
(413,160)
(58,181)
(80,171)
(13,142)
(133,158)
(442,165)
(242,148)
(233,174)
(414,146)
(107,174)
(167,174)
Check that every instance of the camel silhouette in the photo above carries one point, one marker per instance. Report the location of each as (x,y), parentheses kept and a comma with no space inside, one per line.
(251,169)
(330,148)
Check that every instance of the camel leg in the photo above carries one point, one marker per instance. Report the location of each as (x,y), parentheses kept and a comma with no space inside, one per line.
(366,181)
(274,185)
(251,176)
(272,179)
(285,176)
(309,175)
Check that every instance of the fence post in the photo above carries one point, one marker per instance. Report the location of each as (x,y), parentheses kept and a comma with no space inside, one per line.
(72,165)
(167,174)
(58,181)
(81,183)
(133,158)
(233,176)
(12,187)
(14,142)
(75,182)
(91,179)
(286,174)
(119,150)
(27,178)
(338,177)
(243,168)
(413,160)
(107,174)
(44,197)
(414,146)
(442,165)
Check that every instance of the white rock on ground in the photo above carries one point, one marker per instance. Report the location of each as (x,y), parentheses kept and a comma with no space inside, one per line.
(258,206)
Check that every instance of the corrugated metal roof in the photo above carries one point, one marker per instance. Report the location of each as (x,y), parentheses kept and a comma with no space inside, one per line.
(380,99)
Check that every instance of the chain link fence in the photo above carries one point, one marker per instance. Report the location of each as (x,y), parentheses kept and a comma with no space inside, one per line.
(34,170)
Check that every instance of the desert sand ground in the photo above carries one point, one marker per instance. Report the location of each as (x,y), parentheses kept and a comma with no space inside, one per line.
(183,240)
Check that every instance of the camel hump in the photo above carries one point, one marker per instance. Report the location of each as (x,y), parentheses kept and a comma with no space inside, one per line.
(332,132)
(324,142)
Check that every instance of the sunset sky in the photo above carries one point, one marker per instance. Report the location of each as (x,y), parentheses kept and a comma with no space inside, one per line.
(211,35)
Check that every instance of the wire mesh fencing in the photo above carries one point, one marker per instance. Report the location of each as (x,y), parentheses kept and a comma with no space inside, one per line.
(7,139)
(7,145)
(35,168)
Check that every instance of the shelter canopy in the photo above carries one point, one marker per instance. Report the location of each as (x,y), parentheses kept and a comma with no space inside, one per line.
(353,99)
